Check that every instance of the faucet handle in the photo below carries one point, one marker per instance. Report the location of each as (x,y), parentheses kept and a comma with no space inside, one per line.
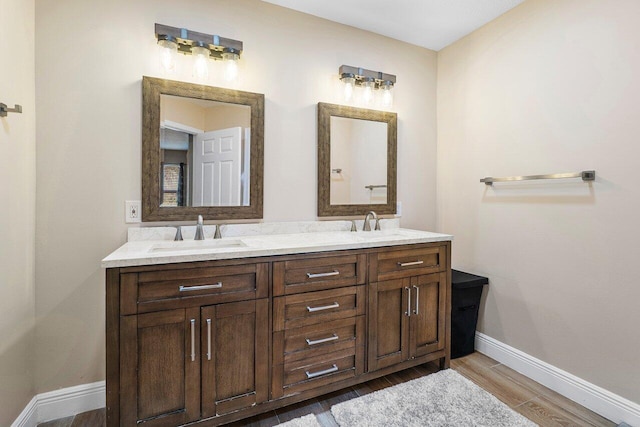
(199,229)
(218,233)
(178,233)
(353,225)
(377,224)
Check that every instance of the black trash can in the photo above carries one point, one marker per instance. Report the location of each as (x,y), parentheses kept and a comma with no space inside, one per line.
(465,303)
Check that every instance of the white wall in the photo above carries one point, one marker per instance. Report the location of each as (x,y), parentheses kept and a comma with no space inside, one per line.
(17,215)
(551,86)
(91,57)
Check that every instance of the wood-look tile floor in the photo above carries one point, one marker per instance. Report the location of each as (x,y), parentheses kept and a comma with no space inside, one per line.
(536,402)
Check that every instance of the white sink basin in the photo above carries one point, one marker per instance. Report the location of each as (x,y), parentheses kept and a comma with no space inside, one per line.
(380,234)
(196,245)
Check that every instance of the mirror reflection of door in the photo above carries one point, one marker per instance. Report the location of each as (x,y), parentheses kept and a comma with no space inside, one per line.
(358,161)
(205,153)
(217,157)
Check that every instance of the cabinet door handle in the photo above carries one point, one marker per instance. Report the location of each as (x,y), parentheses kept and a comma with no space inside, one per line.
(324,307)
(200,287)
(310,375)
(417,310)
(408,264)
(208,339)
(193,340)
(320,341)
(408,312)
(316,275)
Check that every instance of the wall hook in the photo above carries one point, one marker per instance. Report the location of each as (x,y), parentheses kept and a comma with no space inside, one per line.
(4,109)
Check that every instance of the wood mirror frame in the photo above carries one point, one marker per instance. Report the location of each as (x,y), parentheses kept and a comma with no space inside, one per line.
(152,89)
(325,112)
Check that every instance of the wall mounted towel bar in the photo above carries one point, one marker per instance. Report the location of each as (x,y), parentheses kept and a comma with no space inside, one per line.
(585,175)
(4,109)
(371,187)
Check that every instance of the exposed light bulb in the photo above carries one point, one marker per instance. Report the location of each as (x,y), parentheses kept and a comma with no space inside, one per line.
(230,57)
(200,62)
(387,93)
(349,82)
(168,54)
(368,85)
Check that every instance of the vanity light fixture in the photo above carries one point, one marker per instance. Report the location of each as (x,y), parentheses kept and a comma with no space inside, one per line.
(202,46)
(369,81)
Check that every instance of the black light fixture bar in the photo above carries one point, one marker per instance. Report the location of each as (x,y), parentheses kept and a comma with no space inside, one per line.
(186,39)
(361,74)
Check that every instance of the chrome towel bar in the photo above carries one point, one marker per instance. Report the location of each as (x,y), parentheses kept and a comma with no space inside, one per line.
(585,175)
(4,109)
(371,187)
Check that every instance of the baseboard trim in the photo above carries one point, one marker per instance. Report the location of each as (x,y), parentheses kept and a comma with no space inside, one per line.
(29,415)
(62,403)
(609,405)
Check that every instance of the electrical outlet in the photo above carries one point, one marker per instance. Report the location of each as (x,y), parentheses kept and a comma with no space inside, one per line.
(398,209)
(132,211)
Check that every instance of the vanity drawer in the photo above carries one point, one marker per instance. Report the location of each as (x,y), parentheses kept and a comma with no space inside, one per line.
(295,311)
(322,366)
(312,274)
(178,288)
(409,262)
(315,340)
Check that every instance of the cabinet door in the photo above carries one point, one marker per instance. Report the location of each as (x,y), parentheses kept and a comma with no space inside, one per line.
(388,323)
(160,368)
(235,340)
(427,321)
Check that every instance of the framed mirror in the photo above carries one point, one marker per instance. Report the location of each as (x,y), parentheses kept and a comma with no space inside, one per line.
(357,151)
(202,152)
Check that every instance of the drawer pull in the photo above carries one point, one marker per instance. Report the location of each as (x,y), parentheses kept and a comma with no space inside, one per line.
(208,339)
(417,310)
(200,287)
(408,312)
(324,307)
(193,340)
(408,264)
(316,275)
(310,375)
(323,340)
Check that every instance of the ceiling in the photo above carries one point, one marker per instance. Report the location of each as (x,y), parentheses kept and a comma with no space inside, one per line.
(433,24)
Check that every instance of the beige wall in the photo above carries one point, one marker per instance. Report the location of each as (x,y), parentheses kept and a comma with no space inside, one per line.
(227,116)
(551,86)
(88,133)
(182,111)
(17,215)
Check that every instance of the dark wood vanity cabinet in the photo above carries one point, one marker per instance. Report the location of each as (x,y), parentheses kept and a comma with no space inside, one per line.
(318,322)
(193,342)
(217,341)
(407,305)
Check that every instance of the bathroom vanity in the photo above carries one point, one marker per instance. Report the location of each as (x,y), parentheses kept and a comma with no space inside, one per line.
(215,331)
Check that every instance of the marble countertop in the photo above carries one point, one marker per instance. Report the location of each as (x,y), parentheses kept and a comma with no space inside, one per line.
(155,245)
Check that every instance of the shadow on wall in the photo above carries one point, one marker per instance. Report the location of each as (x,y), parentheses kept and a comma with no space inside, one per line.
(510,296)
(540,192)
(72,323)
(16,382)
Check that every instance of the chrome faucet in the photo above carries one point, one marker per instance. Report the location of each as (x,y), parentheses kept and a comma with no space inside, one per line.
(367,226)
(218,233)
(199,230)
